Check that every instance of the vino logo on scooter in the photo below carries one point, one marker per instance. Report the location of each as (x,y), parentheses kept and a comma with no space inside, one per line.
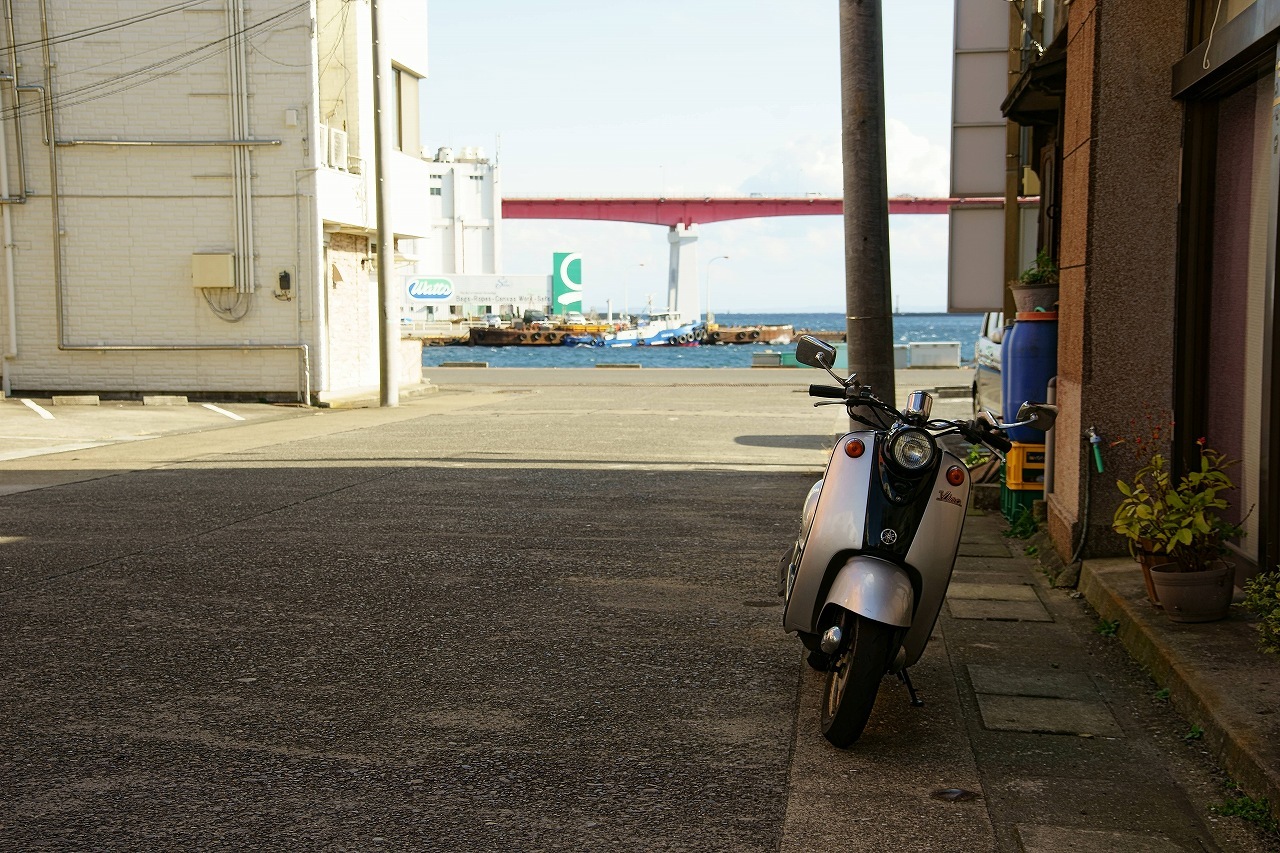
(947,497)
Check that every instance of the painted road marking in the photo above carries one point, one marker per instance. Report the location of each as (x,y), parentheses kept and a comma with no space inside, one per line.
(30,404)
(211,407)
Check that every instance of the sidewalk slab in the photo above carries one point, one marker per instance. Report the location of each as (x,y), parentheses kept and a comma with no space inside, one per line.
(1216,676)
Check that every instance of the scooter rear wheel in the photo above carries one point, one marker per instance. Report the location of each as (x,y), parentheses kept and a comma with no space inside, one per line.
(852,684)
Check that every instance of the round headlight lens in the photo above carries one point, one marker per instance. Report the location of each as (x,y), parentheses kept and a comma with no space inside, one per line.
(912,449)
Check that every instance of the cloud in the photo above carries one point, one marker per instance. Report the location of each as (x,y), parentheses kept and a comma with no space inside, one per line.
(916,166)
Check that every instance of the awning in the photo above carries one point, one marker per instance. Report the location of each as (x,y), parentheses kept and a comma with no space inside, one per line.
(1037,96)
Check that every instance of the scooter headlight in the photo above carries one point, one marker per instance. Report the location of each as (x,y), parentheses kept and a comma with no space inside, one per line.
(912,449)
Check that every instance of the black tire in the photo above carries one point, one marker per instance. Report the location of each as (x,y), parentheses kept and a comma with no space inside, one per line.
(851,686)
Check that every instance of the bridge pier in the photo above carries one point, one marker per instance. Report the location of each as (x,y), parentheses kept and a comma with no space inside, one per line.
(682,271)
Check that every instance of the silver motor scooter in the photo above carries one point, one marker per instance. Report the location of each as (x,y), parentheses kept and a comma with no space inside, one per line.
(879,532)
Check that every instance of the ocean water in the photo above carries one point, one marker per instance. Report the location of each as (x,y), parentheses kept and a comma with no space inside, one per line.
(907,328)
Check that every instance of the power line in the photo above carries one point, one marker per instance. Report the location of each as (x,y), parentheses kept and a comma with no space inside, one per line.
(156,70)
(108,27)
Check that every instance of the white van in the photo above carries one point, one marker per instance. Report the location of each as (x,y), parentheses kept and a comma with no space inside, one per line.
(986,359)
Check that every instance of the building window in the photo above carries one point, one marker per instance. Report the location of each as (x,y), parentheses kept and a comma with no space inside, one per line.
(437,191)
(406,106)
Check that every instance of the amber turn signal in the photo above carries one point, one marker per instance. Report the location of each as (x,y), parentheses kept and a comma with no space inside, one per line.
(854,448)
(955,475)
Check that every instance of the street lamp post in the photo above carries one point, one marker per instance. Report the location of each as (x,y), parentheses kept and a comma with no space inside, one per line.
(711,318)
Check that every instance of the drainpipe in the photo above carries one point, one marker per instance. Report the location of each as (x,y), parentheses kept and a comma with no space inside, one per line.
(1051,398)
(11,298)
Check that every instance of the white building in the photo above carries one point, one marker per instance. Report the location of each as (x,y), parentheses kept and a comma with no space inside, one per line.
(457,272)
(188,196)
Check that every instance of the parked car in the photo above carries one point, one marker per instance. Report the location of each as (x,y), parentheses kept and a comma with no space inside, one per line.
(575,318)
(986,358)
(493,321)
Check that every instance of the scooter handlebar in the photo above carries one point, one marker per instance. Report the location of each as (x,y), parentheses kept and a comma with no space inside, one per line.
(976,432)
(997,442)
(832,391)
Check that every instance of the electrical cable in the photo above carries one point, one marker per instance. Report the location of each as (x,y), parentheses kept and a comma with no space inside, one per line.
(93,91)
(88,32)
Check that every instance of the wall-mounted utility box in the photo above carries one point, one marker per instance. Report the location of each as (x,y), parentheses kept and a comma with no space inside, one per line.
(213,269)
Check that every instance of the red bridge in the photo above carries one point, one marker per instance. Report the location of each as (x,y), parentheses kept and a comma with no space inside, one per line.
(689,211)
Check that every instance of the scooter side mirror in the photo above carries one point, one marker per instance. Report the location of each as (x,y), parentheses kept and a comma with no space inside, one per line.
(1038,416)
(815,353)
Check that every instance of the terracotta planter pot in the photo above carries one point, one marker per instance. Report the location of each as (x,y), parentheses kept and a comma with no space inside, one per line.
(1148,559)
(1033,297)
(1194,596)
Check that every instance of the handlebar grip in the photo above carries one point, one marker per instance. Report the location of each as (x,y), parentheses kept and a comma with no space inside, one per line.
(826,391)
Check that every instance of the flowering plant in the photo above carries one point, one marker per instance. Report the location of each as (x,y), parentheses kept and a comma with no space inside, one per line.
(1181,518)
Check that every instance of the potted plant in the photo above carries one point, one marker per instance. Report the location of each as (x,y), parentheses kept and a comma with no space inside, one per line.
(1037,287)
(1180,522)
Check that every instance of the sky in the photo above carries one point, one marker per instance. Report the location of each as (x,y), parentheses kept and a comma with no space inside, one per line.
(695,98)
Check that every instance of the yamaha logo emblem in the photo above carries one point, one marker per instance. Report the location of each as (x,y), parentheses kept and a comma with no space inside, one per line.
(888,537)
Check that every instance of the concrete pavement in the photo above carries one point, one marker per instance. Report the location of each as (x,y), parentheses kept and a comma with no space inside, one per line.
(529,615)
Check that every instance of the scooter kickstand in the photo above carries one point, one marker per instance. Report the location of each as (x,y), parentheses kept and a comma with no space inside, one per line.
(916,701)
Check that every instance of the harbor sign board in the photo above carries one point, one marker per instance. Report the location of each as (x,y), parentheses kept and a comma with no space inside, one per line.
(471,292)
(566,282)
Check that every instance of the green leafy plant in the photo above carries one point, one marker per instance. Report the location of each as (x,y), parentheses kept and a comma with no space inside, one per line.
(1196,733)
(1180,518)
(1161,695)
(1107,627)
(1262,599)
(976,456)
(1023,525)
(1255,811)
(1044,272)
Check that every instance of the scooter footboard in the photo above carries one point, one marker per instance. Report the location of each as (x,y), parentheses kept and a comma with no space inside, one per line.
(875,589)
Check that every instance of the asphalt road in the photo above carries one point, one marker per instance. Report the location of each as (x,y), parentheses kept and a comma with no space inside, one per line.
(500,617)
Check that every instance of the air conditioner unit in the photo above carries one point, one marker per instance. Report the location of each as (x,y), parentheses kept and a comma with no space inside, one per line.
(337,149)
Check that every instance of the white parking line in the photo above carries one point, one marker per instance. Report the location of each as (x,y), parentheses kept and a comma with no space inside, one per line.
(211,407)
(30,404)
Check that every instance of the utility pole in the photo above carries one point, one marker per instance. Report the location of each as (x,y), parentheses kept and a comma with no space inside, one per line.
(388,299)
(868,295)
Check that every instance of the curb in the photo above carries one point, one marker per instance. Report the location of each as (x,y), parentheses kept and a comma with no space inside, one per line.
(1215,674)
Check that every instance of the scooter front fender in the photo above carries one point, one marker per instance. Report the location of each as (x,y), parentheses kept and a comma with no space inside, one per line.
(873,588)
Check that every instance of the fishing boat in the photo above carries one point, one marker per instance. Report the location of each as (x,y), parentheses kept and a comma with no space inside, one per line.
(666,328)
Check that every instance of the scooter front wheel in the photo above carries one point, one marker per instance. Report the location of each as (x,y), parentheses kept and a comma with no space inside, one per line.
(853,682)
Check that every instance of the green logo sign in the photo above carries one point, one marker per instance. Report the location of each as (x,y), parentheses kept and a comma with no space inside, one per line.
(566,282)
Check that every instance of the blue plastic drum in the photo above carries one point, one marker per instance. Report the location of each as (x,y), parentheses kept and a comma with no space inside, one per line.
(1028,360)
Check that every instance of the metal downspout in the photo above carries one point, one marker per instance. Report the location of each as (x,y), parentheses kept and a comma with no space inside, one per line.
(51,135)
(11,297)
(317,330)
